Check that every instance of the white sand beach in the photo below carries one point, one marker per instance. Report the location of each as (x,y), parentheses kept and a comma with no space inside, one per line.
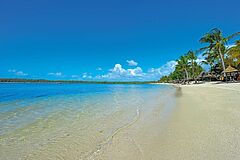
(204,125)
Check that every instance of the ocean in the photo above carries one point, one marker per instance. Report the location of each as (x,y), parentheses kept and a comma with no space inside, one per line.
(72,121)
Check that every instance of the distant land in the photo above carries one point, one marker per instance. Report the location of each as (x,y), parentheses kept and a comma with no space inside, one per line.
(19,80)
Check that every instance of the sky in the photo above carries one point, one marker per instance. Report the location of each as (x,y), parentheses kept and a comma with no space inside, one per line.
(113,40)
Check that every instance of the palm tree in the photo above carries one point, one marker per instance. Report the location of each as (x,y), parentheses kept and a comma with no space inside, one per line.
(183,65)
(234,55)
(209,60)
(217,44)
(192,58)
(176,75)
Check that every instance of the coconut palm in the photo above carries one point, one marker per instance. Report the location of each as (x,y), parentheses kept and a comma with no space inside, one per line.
(216,55)
(216,44)
(176,75)
(233,57)
(183,65)
(192,60)
(209,60)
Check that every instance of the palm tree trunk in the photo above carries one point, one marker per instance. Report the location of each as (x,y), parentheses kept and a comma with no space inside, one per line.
(186,72)
(193,71)
(222,60)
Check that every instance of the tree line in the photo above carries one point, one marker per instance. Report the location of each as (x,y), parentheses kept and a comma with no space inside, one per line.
(217,55)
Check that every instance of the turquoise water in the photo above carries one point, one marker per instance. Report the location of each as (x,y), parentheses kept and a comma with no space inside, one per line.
(52,120)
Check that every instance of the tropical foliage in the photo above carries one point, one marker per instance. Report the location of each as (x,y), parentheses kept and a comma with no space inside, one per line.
(233,56)
(217,55)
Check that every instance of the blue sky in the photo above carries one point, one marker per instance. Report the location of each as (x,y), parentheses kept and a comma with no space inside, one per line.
(107,39)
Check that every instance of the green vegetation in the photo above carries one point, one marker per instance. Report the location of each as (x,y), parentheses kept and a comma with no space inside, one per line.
(233,57)
(217,55)
(186,69)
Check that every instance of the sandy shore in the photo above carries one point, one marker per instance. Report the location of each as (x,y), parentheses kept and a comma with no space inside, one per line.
(219,85)
(204,124)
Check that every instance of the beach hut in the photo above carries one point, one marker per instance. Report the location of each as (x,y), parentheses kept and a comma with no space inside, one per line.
(230,71)
(209,77)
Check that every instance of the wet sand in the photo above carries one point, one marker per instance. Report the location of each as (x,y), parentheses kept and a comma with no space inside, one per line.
(204,124)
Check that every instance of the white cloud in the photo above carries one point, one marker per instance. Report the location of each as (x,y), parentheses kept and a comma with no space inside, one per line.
(86,76)
(135,72)
(118,69)
(57,74)
(16,72)
(132,63)
(99,69)
(21,73)
(12,70)
(118,72)
(75,76)
(166,69)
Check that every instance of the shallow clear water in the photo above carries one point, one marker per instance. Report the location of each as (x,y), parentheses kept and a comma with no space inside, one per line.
(72,121)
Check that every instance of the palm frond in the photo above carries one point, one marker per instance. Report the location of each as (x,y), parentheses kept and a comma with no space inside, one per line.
(232,36)
(216,31)
(202,49)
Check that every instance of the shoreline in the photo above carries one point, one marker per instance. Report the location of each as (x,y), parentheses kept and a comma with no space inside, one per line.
(204,124)
(221,85)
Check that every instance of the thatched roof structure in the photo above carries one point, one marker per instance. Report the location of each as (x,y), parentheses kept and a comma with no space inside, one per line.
(209,75)
(206,75)
(230,69)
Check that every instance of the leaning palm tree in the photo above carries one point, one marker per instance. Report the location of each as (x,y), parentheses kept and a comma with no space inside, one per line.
(216,44)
